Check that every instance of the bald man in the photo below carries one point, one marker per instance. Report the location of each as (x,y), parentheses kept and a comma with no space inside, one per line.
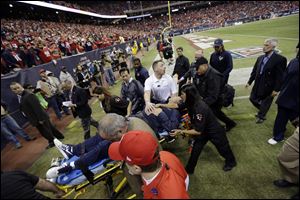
(111,128)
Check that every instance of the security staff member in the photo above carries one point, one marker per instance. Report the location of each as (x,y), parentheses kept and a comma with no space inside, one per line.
(182,66)
(205,127)
(210,86)
(221,60)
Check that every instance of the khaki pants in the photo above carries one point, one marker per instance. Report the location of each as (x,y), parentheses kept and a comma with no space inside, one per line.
(135,181)
(288,158)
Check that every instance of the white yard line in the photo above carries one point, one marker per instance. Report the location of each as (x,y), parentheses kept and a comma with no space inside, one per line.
(263,36)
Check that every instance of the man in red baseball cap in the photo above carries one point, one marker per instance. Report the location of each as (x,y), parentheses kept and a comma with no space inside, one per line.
(163,175)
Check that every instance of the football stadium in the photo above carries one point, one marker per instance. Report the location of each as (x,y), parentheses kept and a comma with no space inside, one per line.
(150,99)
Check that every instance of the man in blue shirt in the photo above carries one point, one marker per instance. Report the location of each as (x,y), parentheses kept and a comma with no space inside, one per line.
(221,59)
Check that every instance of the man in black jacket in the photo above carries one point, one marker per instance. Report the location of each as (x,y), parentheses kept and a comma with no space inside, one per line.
(80,107)
(31,107)
(210,84)
(182,66)
(267,73)
(287,101)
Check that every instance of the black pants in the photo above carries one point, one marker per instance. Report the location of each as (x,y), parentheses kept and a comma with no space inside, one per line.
(262,104)
(86,122)
(48,131)
(226,79)
(217,110)
(282,118)
(180,85)
(219,140)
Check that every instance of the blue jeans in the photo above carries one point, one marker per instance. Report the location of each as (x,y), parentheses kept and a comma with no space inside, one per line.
(53,102)
(283,116)
(9,127)
(109,75)
(91,150)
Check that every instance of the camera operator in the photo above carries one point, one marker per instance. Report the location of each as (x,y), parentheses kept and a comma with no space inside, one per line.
(168,51)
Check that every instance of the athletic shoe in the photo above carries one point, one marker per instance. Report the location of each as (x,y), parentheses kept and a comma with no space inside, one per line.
(18,146)
(54,172)
(65,150)
(163,134)
(273,142)
(283,183)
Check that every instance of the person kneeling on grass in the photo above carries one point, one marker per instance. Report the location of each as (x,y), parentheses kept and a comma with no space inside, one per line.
(162,173)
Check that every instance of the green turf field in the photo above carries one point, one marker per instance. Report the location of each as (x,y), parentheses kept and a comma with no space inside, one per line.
(257,165)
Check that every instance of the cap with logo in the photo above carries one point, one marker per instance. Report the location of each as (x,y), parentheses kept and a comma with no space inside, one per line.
(135,148)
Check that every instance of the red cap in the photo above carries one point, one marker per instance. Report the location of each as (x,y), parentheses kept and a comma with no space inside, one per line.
(135,148)
(42,70)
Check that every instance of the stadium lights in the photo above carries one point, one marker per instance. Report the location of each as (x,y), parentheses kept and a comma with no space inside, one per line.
(63,8)
(10,5)
(175,10)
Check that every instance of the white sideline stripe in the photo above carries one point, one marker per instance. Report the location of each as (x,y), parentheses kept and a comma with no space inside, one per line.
(262,36)
(241,97)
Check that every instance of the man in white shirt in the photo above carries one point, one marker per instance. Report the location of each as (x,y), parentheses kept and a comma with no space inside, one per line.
(159,87)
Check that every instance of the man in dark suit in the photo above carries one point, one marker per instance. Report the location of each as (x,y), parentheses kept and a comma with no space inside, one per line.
(31,107)
(287,101)
(80,107)
(267,73)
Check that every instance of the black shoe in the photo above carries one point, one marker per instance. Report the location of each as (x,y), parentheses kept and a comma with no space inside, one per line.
(259,120)
(170,139)
(228,167)
(50,145)
(263,118)
(61,137)
(295,196)
(283,183)
(31,138)
(229,127)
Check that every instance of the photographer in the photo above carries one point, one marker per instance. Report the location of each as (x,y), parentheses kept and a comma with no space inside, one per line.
(168,51)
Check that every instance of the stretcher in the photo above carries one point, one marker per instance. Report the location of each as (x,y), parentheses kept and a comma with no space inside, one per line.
(76,182)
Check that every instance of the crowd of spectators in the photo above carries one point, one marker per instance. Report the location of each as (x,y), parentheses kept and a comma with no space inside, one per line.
(26,43)
(113,8)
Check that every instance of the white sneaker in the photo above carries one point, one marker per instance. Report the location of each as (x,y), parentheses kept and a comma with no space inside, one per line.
(162,134)
(52,172)
(272,141)
(65,150)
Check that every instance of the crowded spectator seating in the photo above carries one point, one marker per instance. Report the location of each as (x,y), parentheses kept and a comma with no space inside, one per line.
(42,41)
